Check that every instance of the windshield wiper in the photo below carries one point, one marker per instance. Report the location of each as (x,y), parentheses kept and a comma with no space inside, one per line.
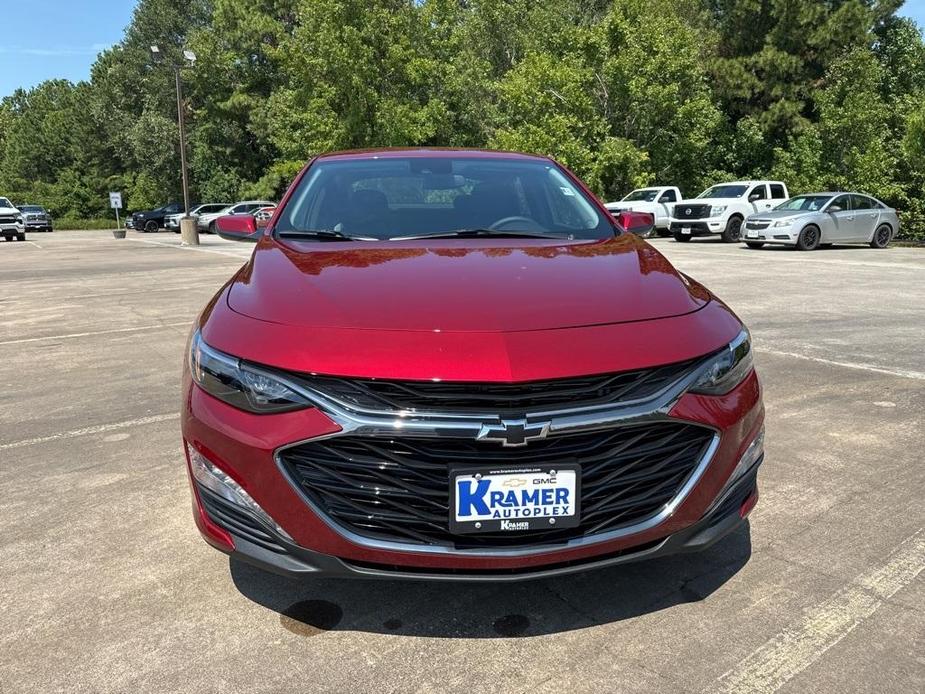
(471,233)
(320,234)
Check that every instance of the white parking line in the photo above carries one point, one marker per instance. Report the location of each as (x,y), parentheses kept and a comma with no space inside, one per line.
(902,373)
(70,336)
(229,253)
(796,648)
(99,429)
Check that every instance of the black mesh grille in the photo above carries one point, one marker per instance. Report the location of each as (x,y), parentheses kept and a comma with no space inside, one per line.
(500,398)
(398,489)
(235,521)
(754,224)
(696,211)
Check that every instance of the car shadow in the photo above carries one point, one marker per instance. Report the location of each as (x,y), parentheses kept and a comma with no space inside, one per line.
(477,610)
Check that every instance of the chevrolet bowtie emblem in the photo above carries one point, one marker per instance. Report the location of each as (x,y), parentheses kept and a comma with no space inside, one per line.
(515,482)
(513,432)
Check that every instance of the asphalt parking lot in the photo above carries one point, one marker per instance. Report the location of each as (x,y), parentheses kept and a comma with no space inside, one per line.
(107,587)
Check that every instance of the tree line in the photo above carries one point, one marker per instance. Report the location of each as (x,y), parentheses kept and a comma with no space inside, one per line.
(823,94)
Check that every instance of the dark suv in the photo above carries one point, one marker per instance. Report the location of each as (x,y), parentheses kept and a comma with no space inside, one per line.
(153,220)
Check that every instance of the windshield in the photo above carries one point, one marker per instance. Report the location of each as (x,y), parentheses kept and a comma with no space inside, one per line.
(5,203)
(31,208)
(642,195)
(808,203)
(388,197)
(724,191)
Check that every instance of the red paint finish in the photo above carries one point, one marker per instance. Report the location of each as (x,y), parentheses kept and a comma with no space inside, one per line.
(497,309)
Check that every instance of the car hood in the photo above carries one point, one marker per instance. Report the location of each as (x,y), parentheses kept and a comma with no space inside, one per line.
(713,202)
(780,214)
(471,285)
(635,205)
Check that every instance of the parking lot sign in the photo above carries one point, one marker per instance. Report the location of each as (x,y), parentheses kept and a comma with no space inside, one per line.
(115,202)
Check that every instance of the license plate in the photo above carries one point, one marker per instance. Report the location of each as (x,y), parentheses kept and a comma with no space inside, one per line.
(685,230)
(751,235)
(511,500)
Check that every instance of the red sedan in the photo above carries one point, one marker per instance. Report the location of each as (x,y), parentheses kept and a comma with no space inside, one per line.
(456,364)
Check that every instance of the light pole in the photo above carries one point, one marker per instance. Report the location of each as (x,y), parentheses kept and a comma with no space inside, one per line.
(189,234)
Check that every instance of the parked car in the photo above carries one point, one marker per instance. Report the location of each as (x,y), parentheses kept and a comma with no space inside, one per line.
(11,221)
(36,218)
(154,220)
(657,201)
(722,209)
(822,219)
(206,222)
(172,222)
(414,376)
(263,215)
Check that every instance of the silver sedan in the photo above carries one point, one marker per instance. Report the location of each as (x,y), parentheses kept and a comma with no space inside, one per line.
(822,219)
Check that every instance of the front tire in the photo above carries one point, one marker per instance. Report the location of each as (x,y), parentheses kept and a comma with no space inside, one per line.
(809,238)
(20,237)
(733,230)
(663,232)
(755,245)
(150,226)
(681,238)
(882,237)
(211,227)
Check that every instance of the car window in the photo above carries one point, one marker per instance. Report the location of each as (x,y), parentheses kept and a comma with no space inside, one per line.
(843,202)
(405,196)
(777,191)
(641,195)
(5,203)
(724,191)
(759,192)
(861,202)
(808,203)
(668,196)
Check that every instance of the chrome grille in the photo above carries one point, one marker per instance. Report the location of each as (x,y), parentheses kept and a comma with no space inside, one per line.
(398,489)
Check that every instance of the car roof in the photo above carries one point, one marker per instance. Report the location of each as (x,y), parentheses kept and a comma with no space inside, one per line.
(746,183)
(428,152)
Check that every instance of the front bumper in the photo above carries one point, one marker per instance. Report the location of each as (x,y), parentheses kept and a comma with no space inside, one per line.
(245,446)
(724,517)
(696,227)
(784,236)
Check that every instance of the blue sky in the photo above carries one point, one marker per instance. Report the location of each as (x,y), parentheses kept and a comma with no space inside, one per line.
(44,39)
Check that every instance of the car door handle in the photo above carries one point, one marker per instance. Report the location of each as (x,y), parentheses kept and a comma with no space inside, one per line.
(850,219)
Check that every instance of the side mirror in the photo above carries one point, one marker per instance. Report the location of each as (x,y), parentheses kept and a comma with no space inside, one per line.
(237,228)
(834,208)
(753,197)
(636,222)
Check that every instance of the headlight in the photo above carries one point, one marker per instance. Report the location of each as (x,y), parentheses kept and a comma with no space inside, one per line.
(717,211)
(18,219)
(239,384)
(783,223)
(727,369)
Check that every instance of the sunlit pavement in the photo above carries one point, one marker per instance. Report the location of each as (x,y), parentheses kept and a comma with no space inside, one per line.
(106,586)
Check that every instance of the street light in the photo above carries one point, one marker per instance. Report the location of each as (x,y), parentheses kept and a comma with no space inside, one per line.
(189,234)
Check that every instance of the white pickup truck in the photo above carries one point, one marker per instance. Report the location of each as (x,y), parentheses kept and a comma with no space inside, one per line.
(657,201)
(11,222)
(722,208)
